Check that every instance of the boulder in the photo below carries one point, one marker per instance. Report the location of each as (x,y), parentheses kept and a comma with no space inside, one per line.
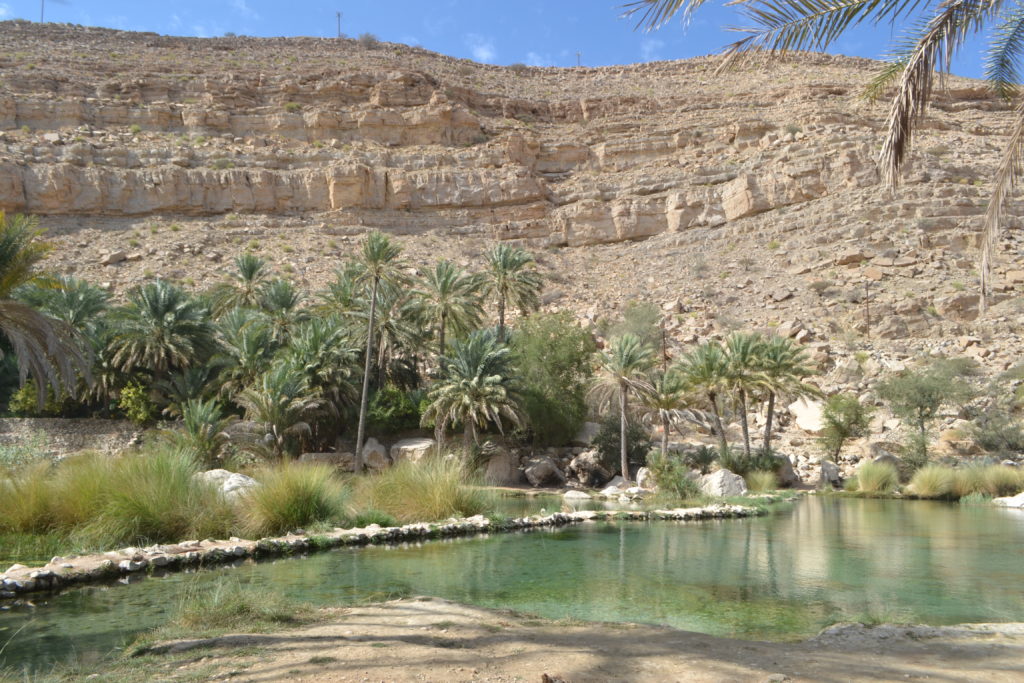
(230,484)
(722,484)
(785,473)
(645,479)
(375,456)
(577,495)
(808,415)
(543,472)
(503,469)
(585,436)
(1010,501)
(412,449)
(588,469)
(344,461)
(829,474)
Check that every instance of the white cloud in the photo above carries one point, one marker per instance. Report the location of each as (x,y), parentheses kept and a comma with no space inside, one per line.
(243,8)
(200,31)
(412,41)
(5,11)
(481,47)
(650,49)
(175,21)
(537,59)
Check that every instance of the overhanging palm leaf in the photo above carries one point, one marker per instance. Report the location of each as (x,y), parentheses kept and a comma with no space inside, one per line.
(1002,65)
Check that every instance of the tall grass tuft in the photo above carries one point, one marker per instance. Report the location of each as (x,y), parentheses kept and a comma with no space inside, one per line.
(293,496)
(228,605)
(967,481)
(1000,480)
(153,498)
(430,490)
(877,478)
(26,500)
(760,481)
(932,481)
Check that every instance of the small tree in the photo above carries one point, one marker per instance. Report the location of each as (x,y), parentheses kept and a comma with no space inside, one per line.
(622,371)
(844,418)
(917,395)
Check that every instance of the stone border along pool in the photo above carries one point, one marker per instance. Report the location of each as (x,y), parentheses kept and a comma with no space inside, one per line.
(61,572)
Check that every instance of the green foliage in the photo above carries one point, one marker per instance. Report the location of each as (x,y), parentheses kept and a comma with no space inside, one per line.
(136,405)
(25,403)
(999,480)
(671,474)
(997,431)
(642,319)
(701,458)
(917,395)
(23,453)
(737,462)
(932,481)
(914,451)
(392,411)
(203,424)
(607,442)
(967,481)
(877,478)
(227,605)
(761,481)
(843,417)
(976,499)
(431,490)
(293,496)
(367,517)
(551,356)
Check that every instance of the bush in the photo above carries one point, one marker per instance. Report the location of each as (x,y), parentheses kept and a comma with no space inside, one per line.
(552,354)
(392,410)
(293,496)
(701,459)
(999,480)
(844,417)
(135,404)
(932,481)
(877,478)
(996,431)
(914,451)
(430,490)
(738,462)
(608,444)
(760,481)
(25,402)
(24,453)
(368,41)
(368,517)
(670,474)
(976,499)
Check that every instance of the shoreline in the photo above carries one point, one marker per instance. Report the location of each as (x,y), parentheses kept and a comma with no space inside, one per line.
(102,567)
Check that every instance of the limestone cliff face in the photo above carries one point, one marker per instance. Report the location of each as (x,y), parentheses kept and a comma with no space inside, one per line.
(410,141)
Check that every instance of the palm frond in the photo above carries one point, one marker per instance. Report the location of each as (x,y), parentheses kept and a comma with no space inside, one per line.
(1003,59)
(653,14)
(889,74)
(1010,168)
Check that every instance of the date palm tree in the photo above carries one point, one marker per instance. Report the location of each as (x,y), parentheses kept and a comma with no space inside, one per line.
(281,400)
(511,279)
(282,303)
(46,349)
(743,374)
(475,391)
(246,349)
(242,288)
(666,401)
(936,32)
(622,371)
(706,369)
(783,365)
(159,330)
(380,262)
(450,300)
(75,302)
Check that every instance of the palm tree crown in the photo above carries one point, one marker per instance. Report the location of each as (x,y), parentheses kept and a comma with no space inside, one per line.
(511,279)
(242,288)
(450,301)
(706,369)
(622,371)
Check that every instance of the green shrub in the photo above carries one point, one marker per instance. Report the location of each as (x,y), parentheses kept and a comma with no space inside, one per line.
(738,462)
(932,481)
(877,478)
(701,458)
(843,417)
(914,451)
(226,605)
(25,402)
(607,442)
(392,410)
(760,481)
(670,473)
(976,499)
(430,490)
(997,431)
(368,517)
(24,453)
(135,404)
(293,496)
(26,500)
(851,485)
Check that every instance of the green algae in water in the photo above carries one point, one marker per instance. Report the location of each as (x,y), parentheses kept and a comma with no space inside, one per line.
(781,577)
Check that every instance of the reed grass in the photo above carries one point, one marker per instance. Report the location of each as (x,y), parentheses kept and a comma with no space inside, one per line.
(877,478)
(430,490)
(293,496)
(932,481)
(761,481)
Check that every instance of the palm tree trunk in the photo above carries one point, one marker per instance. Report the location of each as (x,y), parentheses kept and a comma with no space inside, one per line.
(622,433)
(501,318)
(743,422)
(768,423)
(364,400)
(664,436)
(723,445)
(440,341)
(467,438)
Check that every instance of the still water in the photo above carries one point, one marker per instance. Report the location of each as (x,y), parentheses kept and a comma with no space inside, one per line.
(781,577)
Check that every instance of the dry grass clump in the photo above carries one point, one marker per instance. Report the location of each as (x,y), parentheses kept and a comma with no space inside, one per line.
(932,481)
(293,496)
(431,490)
(877,478)
(761,481)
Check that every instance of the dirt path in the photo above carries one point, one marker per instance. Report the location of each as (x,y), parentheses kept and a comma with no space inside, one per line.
(435,640)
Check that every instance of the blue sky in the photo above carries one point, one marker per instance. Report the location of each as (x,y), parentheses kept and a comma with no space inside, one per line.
(536,32)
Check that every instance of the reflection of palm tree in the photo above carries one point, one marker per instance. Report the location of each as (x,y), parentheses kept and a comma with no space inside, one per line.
(46,349)
(622,370)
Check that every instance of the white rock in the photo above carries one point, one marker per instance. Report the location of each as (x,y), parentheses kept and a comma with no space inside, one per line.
(1010,501)
(723,483)
(412,449)
(611,492)
(375,456)
(577,495)
(645,479)
(808,415)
